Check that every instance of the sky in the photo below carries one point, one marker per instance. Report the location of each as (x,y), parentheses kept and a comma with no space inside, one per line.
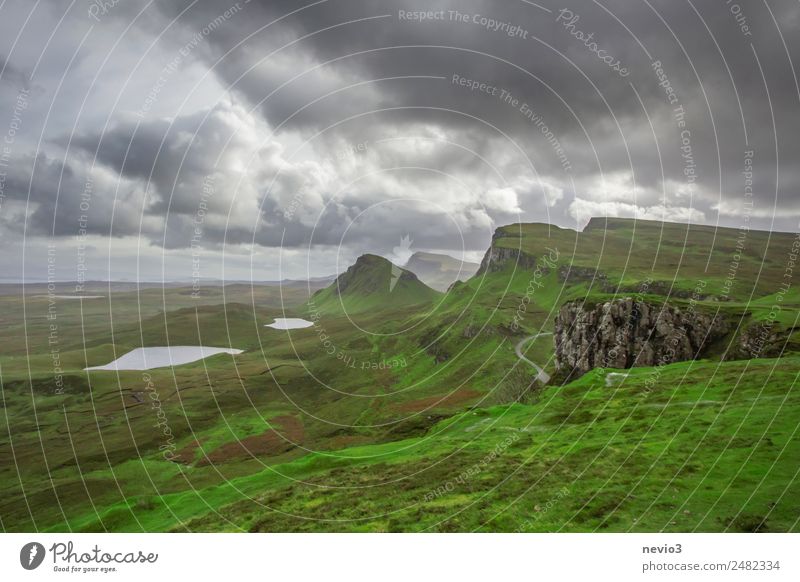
(250,140)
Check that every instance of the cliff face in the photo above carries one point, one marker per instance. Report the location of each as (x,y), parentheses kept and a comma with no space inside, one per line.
(496,259)
(624,333)
(760,340)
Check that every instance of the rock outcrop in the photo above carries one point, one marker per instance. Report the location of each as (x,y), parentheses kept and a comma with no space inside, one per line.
(496,258)
(433,344)
(760,340)
(624,333)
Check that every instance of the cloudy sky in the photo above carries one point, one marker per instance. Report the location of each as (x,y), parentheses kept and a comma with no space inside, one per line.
(263,140)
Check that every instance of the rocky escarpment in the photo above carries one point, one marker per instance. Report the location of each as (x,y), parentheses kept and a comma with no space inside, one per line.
(433,344)
(496,258)
(624,333)
(762,340)
(574,275)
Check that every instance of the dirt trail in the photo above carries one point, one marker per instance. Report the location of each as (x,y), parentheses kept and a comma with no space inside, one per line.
(541,375)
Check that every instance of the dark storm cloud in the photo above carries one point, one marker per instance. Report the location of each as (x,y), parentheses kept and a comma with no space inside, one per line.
(81,200)
(592,137)
(11,75)
(705,51)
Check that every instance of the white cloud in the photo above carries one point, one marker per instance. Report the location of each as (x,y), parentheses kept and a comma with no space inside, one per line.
(502,200)
(582,210)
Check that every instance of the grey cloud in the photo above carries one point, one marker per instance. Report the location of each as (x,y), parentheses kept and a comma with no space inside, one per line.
(700,74)
(65,199)
(12,75)
(389,80)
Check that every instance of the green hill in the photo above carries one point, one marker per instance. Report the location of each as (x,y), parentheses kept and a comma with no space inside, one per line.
(618,254)
(696,455)
(417,413)
(374,282)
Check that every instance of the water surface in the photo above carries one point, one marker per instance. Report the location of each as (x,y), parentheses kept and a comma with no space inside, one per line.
(160,357)
(289,323)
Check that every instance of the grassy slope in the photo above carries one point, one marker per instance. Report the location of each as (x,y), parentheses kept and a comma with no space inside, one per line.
(100,447)
(627,251)
(710,450)
(374,283)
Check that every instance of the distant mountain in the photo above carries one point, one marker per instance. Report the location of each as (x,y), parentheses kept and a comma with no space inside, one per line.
(440,271)
(374,282)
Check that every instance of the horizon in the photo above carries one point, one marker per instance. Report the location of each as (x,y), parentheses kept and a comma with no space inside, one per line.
(326,275)
(471,259)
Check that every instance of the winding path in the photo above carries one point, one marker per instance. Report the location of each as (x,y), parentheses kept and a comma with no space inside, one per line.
(541,375)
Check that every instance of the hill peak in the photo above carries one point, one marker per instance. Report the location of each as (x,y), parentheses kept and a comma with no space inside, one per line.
(370,259)
(373,279)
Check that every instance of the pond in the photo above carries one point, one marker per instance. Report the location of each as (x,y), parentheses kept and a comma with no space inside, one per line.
(160,357)
(289,323)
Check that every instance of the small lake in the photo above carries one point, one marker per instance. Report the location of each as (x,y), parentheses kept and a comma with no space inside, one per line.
(149,358)
(289,323)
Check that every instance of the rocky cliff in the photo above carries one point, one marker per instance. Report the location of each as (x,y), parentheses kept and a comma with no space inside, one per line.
(496,258)
(623,333)
(761,340)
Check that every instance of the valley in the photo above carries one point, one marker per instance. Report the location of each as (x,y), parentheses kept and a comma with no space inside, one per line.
(632,376)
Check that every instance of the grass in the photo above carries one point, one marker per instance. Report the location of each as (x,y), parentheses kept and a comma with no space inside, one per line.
(374,431)
(706,455)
